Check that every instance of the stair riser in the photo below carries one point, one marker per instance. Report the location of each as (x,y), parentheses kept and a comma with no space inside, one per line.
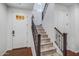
(40,29)
(45,38)
(45,41)
(44,35)
(48,52)
(46,46)
(41,32)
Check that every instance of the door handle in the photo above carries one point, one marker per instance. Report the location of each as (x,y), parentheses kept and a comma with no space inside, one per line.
(13,33)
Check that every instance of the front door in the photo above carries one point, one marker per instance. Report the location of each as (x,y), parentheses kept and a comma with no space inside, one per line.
(19,32)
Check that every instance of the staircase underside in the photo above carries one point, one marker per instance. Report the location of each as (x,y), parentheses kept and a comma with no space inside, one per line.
(47,48)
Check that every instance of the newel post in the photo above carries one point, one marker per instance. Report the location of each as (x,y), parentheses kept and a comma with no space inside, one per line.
(39,38)
(64,44)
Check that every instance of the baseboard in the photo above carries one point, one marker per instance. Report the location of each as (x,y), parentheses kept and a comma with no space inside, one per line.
(72,53)
(3,53)
(20,48)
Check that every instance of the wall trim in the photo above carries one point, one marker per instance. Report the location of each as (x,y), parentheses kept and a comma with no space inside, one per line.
(72,53)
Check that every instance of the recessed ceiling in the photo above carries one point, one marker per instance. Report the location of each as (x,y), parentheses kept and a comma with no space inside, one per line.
(28,6)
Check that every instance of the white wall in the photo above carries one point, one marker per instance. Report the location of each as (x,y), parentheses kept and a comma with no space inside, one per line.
(76,21)
(37,12)
(3,28)
(29,37)
(72,31)
(73,38)
(65,18)
(55,17)
(77,27)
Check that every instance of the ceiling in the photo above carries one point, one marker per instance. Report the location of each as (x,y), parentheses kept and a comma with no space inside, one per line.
(66,4)
(28,6)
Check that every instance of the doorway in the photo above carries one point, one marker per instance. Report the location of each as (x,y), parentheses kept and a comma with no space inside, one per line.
(19,31)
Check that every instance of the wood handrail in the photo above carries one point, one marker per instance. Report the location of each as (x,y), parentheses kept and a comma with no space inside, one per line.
(44,10)
(37,38)
(58,31)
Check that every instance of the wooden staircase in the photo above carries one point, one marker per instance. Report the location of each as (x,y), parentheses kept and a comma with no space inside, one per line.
(46,46)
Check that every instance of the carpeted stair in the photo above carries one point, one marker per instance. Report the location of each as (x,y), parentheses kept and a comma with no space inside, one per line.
(47,48)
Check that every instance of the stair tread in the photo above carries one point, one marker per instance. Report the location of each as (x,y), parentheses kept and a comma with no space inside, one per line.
(45,38)
(48,49)
(46,43)
(53,54)
(39,27)
(43,33)
(41,30)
